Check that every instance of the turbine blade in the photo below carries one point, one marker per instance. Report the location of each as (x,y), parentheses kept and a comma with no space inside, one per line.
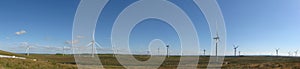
(97,44)
(89,44)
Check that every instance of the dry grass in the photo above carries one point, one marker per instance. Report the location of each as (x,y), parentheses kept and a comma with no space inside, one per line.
(9,63)
(258,62)
(46,61)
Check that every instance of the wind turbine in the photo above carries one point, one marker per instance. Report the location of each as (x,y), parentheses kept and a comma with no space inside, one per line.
(296,52)
(93,43)
(277,49)
(27,46)
(204,52)
(27,49)
(217,39)
(167,50)
(116,50)
(64,50)
(290,54)
(148,52)
(239,53)
(235,47)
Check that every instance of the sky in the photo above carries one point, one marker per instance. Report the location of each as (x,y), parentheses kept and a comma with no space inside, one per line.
(257,26)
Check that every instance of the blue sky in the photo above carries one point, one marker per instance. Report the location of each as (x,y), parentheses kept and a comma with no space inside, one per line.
(258,26)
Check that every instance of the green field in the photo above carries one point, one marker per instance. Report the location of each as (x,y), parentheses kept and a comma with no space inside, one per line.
(51,61)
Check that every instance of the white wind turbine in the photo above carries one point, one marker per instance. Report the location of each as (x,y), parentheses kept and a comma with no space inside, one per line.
(116,50)
(296,52)
(27,49)
(27,46)
(93,43)
(64,50)
(239,53)
(290,53)
(217,39)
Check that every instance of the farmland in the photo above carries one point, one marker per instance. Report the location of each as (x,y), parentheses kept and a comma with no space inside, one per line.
(52,61)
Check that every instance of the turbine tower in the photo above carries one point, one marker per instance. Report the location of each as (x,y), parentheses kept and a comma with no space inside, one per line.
(290,54)
(148,52)
(239,53)
(116,50)
(217,39)
(93,43)
(167,50)
(296,52)
(277,49)
(235,47)
(64,50)
(204,52)
(27,50)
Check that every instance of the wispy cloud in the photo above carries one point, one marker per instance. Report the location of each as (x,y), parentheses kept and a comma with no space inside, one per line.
(21,32)
(24,43)
(72,42)
(79,37)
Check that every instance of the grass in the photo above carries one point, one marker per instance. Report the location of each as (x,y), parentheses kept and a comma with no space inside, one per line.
(12,54)
(51,61)
(9,63)
(29,63)
(246,62)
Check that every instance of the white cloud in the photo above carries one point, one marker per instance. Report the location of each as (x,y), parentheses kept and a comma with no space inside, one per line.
(52,48)
(21,32)
(79,37)
(24,43)
(72,42)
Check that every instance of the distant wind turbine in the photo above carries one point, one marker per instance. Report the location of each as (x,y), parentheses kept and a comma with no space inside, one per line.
(277,49)
(296,52)
(204,52)
(27,49)
(148,52)
(239,53)
(94,44)
(235,47)
(167,50)
(290,53)
(217,39)
(27,46)
(64,50)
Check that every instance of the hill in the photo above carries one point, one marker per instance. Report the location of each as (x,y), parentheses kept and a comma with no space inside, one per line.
(11,54)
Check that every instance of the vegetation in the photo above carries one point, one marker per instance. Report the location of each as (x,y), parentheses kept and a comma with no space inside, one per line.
(29,63)
(10,63)
(54,61)
(12,54)
(245,62)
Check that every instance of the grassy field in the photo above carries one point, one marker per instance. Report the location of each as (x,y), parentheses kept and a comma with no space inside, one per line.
(51,61)
(245,62)
(30,63)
